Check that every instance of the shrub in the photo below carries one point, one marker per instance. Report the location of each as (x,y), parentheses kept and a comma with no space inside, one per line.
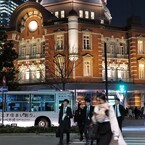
(34,129)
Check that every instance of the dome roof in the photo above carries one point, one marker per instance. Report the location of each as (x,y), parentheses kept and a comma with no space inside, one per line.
(43,2)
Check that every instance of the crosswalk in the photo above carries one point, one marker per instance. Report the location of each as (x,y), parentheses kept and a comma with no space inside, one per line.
(129,141)
(135,140)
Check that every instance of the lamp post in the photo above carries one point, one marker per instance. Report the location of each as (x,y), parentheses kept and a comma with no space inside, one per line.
(106,72)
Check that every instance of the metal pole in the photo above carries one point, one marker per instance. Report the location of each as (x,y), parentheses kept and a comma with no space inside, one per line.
(2,108)
(106,73)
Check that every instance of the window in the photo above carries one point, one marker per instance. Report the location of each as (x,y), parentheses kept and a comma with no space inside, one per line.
(42,102)
(141,71)
(60,66)
(121,74)
(86,42)
(81,13)
(56,14)
(122,49)
(27,74)
(23,50)
(140,47)
(43,47)
(62,14)
(86,14)
(38,74)
(111,73)
(34,50)
(112,48)
(59,42)
(17,102)
(92,15)
(87,68)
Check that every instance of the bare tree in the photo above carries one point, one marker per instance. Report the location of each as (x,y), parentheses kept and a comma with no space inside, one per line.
(60,69)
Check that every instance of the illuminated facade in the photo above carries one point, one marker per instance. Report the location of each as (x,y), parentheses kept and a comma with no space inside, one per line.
(72,34)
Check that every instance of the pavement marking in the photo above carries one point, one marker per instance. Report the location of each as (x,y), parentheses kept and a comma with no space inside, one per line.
(129,141)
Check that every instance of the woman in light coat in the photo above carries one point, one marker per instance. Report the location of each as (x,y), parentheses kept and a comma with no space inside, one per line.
(108,129)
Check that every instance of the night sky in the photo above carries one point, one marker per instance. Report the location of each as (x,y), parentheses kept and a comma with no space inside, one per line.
(122,9)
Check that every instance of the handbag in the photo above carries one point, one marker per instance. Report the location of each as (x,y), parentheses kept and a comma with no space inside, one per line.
(93,131)
(57,133)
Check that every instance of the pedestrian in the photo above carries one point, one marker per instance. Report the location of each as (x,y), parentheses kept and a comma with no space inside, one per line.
(136,112)
(79,117)
(88,113)
(120,112)
(65,115)
(130,113)
(108,130)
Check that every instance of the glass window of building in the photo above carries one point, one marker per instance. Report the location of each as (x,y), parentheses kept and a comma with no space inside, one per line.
(38,74)
(62,14)
(92,15)
(57,14)
(121,74)
(86,42)
(141,71)
(23,50)
(27,74)
(122,48)
(59,66)
(81,13)
(59,42)
(140,47)
(87,68)
(112,48)
(33,49)
(87,14)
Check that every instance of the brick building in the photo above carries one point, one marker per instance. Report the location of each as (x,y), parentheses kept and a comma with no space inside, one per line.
(61,42)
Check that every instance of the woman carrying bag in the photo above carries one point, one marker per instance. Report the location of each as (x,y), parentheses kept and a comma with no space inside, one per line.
(108,132)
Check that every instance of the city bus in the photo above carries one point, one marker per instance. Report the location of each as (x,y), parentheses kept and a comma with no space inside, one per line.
(32,108)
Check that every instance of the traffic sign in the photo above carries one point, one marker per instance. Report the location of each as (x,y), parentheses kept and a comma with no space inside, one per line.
(3,88)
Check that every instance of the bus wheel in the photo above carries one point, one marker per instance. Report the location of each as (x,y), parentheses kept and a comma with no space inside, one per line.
(43,122)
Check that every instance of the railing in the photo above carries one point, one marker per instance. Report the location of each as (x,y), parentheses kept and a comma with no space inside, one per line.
(31,56)
(118,79)
(116,55)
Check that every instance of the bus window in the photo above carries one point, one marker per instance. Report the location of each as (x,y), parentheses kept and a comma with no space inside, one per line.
(17,106)
(49,106)
(43,102)
(17,102)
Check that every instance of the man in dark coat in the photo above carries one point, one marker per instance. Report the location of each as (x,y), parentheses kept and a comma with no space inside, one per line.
(65,115)
(88,113)
(120,112)
(79,117)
